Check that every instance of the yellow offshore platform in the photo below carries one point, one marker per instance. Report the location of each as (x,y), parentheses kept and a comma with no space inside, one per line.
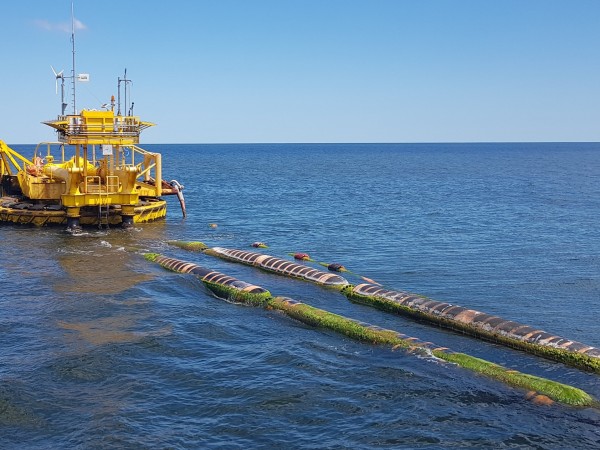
(94,175)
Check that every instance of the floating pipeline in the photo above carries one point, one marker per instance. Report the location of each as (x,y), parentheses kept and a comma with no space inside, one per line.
(267,262)
(194,246)
(278,266)
(474,323)
(479,324)
(219,284)
(541,390)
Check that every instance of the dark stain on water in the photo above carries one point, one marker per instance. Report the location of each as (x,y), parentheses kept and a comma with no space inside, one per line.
(101,349)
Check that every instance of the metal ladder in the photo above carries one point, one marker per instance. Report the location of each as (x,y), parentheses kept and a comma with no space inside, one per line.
(103,209)
(93,185)
(112,186)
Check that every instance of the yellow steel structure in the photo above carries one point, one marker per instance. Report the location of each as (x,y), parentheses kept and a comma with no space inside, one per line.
(114,134)
(104,170)
(99,127)
(9,160)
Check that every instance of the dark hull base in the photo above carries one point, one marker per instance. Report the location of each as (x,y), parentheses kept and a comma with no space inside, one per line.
(18,211)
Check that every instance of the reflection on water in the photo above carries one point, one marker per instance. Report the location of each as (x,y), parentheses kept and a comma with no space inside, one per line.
(97,266)
(109,330)
(96,277)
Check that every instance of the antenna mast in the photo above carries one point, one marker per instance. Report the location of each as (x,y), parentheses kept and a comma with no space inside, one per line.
(125,80)
(73,68)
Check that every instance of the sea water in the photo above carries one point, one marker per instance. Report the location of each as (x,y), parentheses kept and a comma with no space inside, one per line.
(102,349)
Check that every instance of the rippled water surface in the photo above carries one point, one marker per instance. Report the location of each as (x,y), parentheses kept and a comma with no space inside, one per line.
(101,349)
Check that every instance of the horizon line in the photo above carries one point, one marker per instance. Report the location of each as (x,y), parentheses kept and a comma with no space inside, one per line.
(351,143)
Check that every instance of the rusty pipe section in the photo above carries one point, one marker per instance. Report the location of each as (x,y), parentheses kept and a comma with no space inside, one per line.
(479,324)
(279,266)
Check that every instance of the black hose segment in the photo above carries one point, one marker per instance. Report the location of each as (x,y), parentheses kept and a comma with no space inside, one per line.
(210,277)
(279,266)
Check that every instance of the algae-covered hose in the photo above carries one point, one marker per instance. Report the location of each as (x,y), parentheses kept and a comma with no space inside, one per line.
(454,317)
(220,284)
(479,324)
(232,289)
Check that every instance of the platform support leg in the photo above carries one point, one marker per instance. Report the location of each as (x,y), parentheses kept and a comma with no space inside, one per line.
(127,213)
(73,216)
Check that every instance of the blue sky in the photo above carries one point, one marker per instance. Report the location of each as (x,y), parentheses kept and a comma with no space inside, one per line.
(228,71)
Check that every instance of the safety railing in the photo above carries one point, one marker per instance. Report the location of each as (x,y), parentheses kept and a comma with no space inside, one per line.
(94,185)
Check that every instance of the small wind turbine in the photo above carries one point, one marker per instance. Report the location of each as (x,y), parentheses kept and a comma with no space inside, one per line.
(60,76)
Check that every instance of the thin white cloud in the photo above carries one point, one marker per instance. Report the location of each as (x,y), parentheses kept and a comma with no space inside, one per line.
(79,25)
(65,27)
